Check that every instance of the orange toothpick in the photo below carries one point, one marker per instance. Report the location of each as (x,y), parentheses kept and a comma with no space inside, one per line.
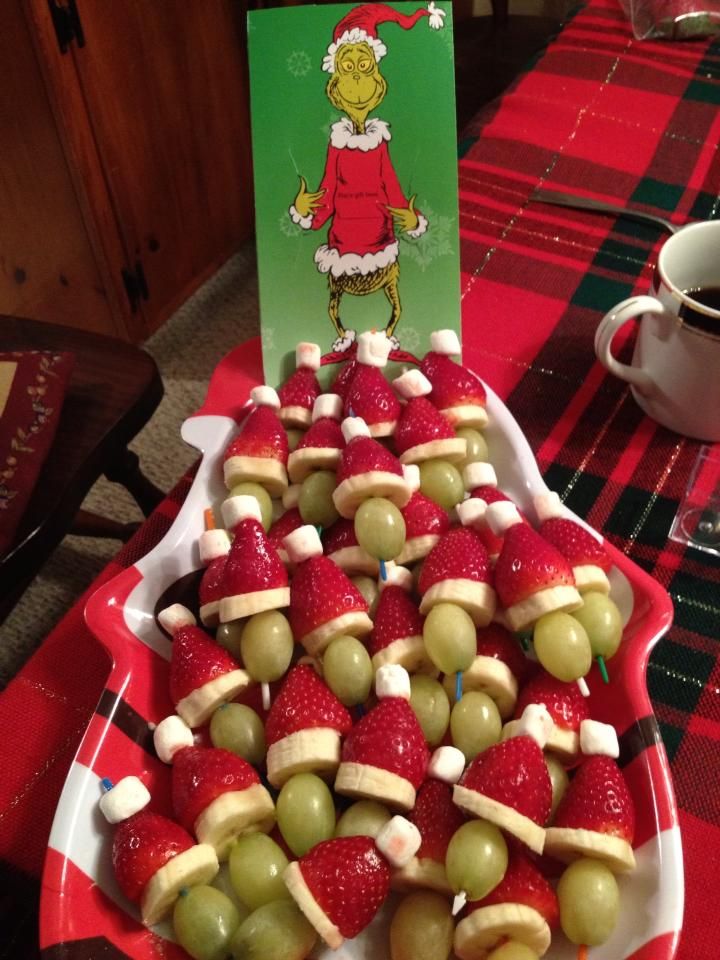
(582,953)
(209,519)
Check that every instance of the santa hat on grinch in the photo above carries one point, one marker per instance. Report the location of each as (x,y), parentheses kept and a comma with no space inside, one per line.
(362,23)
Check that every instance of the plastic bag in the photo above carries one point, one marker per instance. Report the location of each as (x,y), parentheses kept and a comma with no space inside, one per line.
(673,19)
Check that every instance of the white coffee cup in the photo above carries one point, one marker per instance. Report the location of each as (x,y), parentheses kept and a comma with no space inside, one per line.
(675,370)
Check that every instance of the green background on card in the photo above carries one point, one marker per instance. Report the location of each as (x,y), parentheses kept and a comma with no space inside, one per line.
(291,120)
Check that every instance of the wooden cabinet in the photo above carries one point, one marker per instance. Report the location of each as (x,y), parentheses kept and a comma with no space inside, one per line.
(125,171)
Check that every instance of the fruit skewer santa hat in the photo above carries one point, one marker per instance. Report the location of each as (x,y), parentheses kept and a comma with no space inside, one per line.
(320,447)
(369,395)
(457,392)
(259,453)
(299,392)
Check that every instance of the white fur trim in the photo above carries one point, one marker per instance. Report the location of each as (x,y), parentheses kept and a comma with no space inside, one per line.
(392,680)
(472,512)
(344,343)
(304,222)
(213,544)
(445,342)
(330,260)
(327,405)
(343,136)
(436,16)
(356,35)
(411,473)
(127,797)
(171,735)
(307,355)
(412,383)
(447,764)
(398,841)
(420,229)
(354,427)
(599,738)
(479,474)
(264,396)
(373,348)
(237,509)
(174,617)
(548,506)
(303,543)
(502,515)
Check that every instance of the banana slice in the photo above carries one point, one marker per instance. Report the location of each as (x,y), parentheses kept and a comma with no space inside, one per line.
(265,470)
(467,415)
(197,707)
(302,896)
(452,449)
(478,599)
(422,873)
(386,428)
(408,652)
(356,623)
(303,461)
(295,417)
(522,615)
(589,576)
(479,932)
(501,815)
(194,866)
(567,844)
(491,676)
(366,782)
(416,548)
(233,814)
(316,750)
(210,613)
(348,495)
(246,604)
(355,560)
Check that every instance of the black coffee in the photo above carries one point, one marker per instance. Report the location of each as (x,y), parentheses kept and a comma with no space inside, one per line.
(708,297)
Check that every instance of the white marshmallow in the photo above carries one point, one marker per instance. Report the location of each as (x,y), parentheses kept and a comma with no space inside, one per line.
(174,617)
(480,474)
(446,764)
(373,348)
(411,475)
(264,396)
(307,355)
(354,427)
(392,680)
(599,738)
(237,509)
(445,341)
(398,841)
(501,516)
(395,576)
(327,405)
(412,383)
(547,506)
(213,544)
(537,723)
(472,512)
(291,496)
(171,735)
(303,543)
(126,798)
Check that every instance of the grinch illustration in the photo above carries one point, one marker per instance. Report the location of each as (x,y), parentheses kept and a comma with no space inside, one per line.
(360,195)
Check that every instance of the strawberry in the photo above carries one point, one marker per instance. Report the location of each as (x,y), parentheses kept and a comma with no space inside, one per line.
(299,390)
(210,589)
(389,737)
(142,845)
(344,378)
(252,564)
(262,435)
(348,879)
(339,536)
(424,517)
(420,422)
(325,433)
(513,772)
(523,883)
(304,702)
(452,384)
(284,525)
(366,455)
(368,469)
(370,396)
(528,564)
(497,642)
(397,618)
(200,775)
(574,542)
(196,660)
(564,702)
(437,818)
(341,546)
(459,555)
(598,799)
(490,494)
(320,593)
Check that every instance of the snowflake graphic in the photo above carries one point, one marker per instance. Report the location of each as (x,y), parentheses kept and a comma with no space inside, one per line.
(299,64)
(409,338)
(433,244)
(267,337)
(287,227)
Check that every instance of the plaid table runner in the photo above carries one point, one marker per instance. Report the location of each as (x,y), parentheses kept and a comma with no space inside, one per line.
(621,120)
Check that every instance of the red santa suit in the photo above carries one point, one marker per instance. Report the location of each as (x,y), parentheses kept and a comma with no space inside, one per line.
(359,183)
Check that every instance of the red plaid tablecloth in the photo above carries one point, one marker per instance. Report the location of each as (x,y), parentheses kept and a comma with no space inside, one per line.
(627,121)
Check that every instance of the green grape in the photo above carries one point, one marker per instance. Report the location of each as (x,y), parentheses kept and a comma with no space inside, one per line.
(589,902)
(512,950)
(431,706)
(450,637)
(222,882)
(476,859)
(305,812)
(228,635)
(370,591)
(363,819)
(248,489)
(275,931)
(475,723)
(204,920)
(422,928)
(603,623)
(266,646)
(477,448)
(347,670)
(294,437)
(380,528)
(256,867)
(441,481)
(316,503)
(559,780)
(562,646)
(236,727)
